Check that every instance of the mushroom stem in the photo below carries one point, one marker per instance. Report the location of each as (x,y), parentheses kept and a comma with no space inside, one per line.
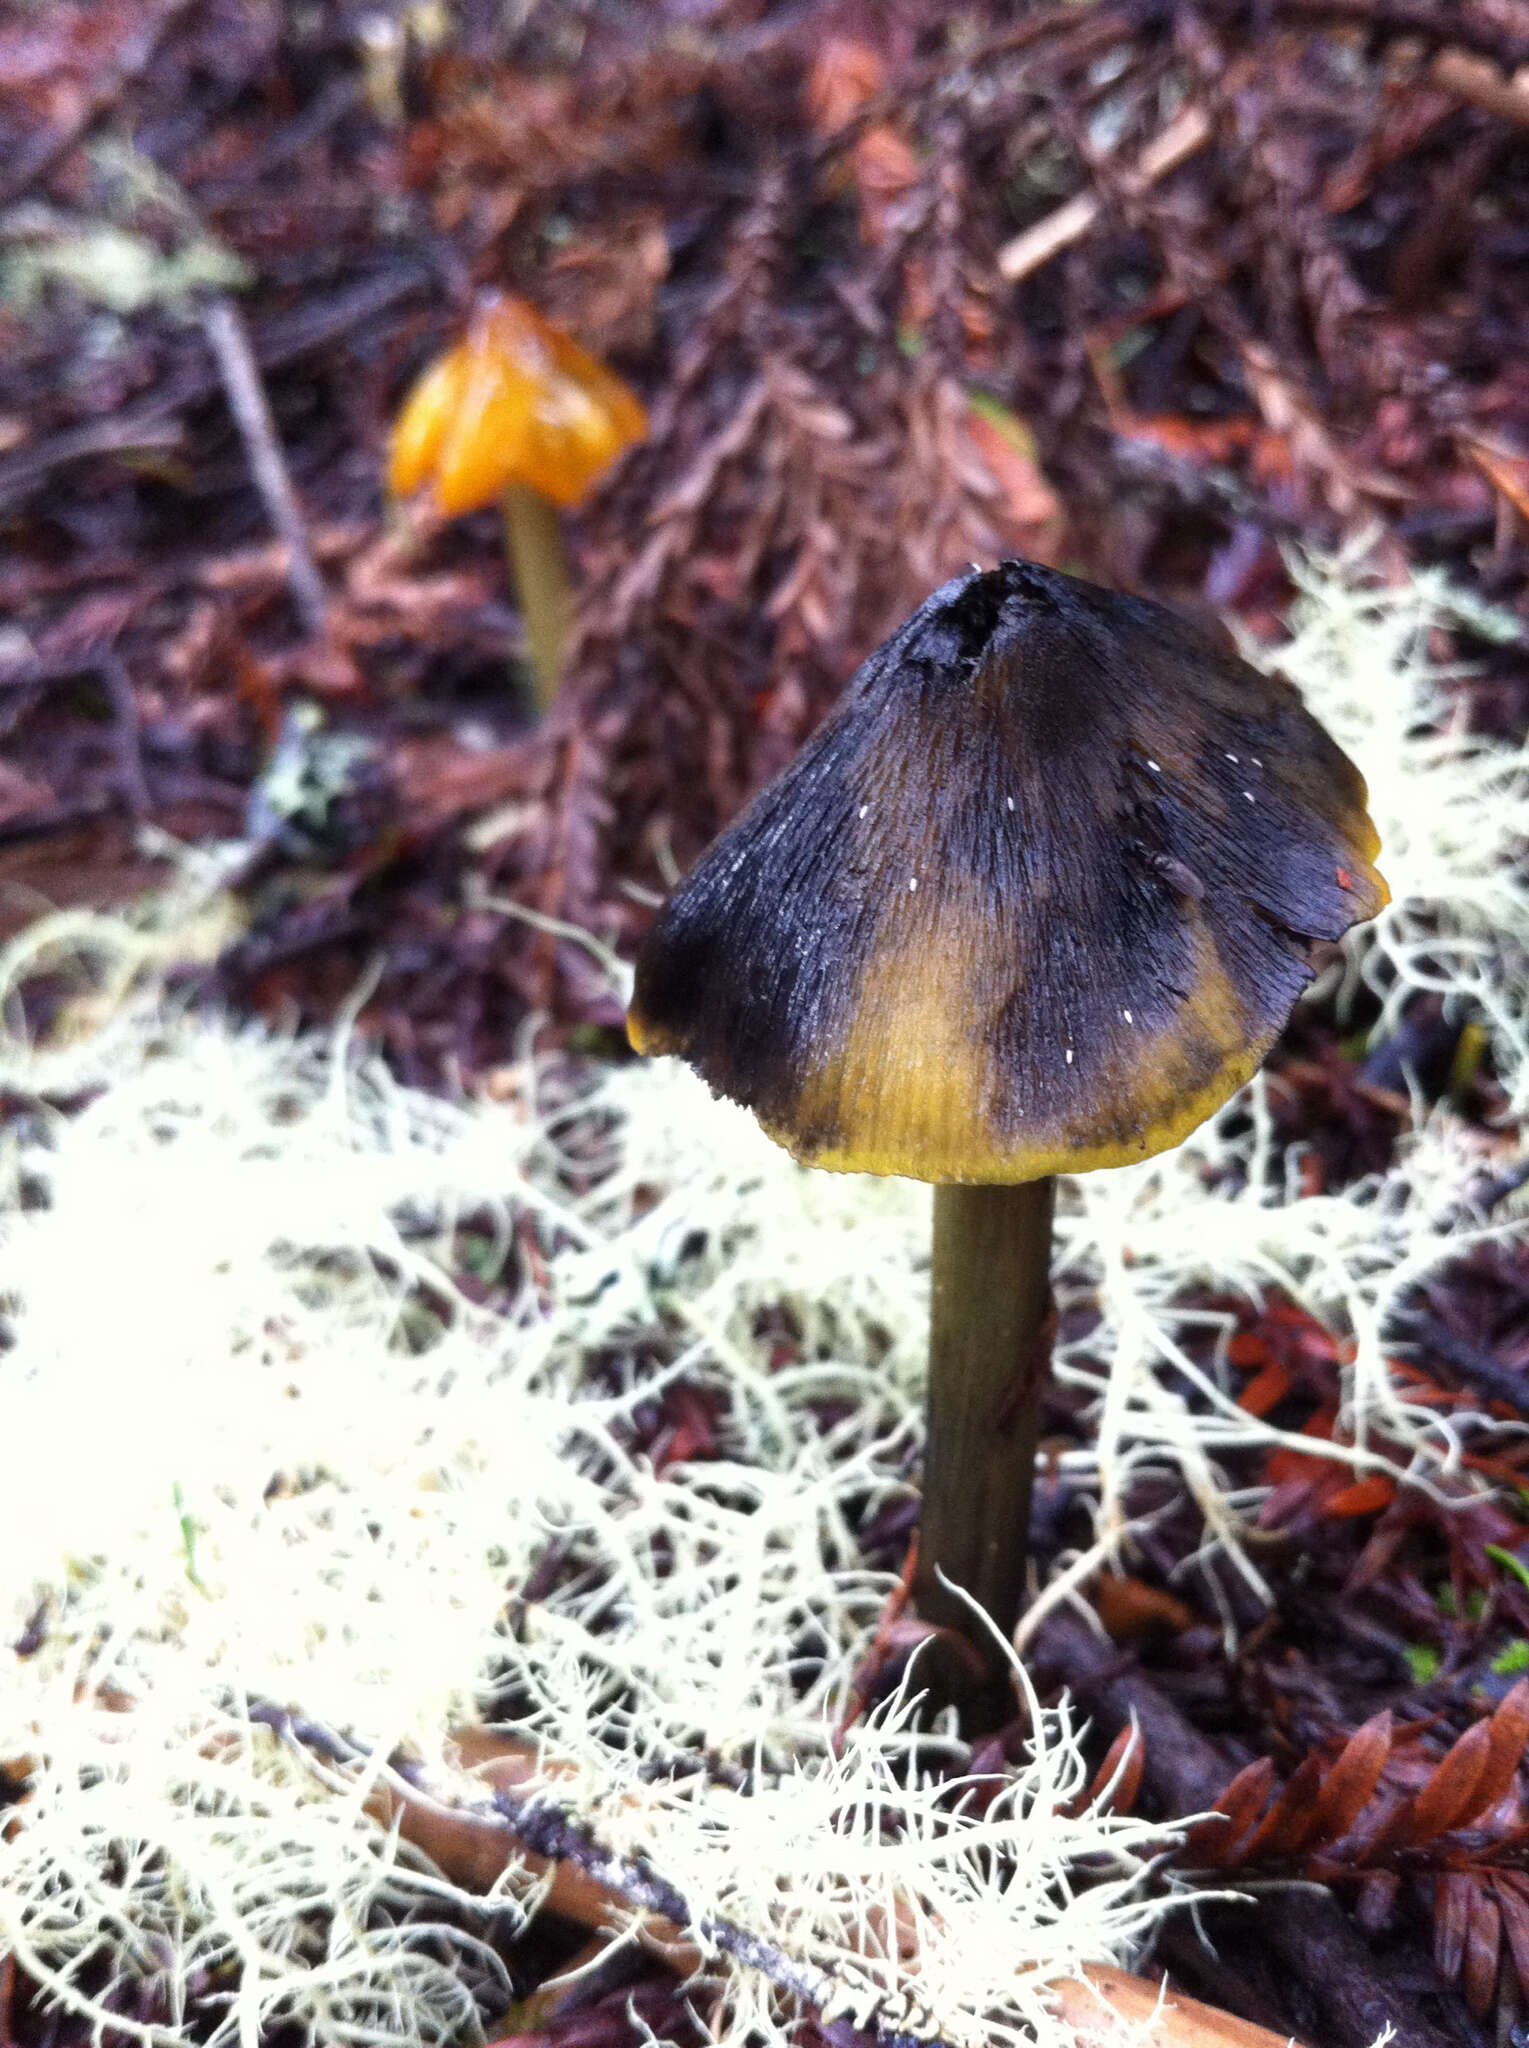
(533,540)
(989,1349)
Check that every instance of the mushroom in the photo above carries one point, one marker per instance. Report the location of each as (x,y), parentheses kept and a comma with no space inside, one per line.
(517,411)
(1035,899)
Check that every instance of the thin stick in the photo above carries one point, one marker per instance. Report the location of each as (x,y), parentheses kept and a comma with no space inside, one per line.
(1475,79)
(473,1844)
(251,409)
(1188,131)
(988,1354)
(128,740)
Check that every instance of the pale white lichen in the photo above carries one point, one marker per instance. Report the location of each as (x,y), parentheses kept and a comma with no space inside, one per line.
(1451,802)
(260,1447)
(263,1449)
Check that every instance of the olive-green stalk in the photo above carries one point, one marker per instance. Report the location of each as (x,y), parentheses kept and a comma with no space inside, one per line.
(989,1352)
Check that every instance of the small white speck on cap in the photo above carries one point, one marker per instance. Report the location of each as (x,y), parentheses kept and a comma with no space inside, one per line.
(913,881)
(1250,796)
(1127,1015)
(1255,760)
(1233,759)
(1069,1055)
(1009,801)
(863,809)
(1155,766)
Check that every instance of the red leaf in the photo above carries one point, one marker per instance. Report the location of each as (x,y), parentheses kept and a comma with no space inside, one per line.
(1451,1916)
(1510,1735)
(1214,1841)
(1505,469)
(1365,1497)
(1265,1390)
(1287,1824)
(1515,1920)
(1125,1755)
(1375,1557)
(1450,1790)
(1247,1348)
(1352,1780)
(845,74)
(1385,1824)
(1131,1610)
(1483,1946)
(1007,451)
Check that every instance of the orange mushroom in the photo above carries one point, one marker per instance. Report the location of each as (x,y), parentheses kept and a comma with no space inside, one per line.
(518,412)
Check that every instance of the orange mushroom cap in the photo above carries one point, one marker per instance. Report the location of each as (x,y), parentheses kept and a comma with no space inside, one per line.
(517,401)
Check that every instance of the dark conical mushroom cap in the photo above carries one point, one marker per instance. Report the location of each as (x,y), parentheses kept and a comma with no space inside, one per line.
(1036,898)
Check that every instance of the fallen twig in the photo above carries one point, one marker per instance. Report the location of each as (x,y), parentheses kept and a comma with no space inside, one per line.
(595,1888)
(1099,2006)
(1479,82)
(1188,131)
(130,772)
(251,409)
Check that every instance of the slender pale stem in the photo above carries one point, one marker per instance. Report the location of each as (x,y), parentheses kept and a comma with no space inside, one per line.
(533,539)
(989,1351)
